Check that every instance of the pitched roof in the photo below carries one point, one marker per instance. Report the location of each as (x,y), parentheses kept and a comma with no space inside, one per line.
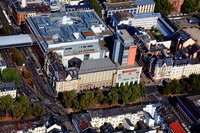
(98,65)
(176,127)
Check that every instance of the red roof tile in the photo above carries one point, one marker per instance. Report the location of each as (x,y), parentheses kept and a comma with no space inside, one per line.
(176,127)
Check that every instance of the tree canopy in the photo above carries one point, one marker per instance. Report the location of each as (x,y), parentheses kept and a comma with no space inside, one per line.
(190,6)
(6,30)
(21,108)
(11,75)
(117,95)
(163,6)
(189,85)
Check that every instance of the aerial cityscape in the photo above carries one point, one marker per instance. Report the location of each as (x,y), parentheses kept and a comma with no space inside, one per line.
(100,66)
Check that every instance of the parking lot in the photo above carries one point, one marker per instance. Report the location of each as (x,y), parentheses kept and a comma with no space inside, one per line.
(193,29)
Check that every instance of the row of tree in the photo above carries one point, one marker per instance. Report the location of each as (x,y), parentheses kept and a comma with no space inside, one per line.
(17,56)
(190,6)
(96,6)
(11,75)
(122,95)
(190,85)
(21,108)
(163,6)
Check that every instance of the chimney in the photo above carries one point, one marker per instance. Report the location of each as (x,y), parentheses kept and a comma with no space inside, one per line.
(23,3)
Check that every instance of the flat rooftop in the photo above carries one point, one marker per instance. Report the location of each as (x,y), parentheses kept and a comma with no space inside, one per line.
(98,65)
(66,27)
(104,113)
(120,5)
(146,15)
(15,40)
(145,2)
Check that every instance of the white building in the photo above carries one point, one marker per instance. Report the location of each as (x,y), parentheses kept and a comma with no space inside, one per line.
(144,20)
(128,75)
(8,89)
(128,116)
(73,34)
(2,63)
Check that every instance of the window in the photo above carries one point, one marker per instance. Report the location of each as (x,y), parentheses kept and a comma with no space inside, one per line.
(68,48)
(86,56)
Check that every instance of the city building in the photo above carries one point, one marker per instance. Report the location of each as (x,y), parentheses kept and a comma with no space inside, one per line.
(74,34)
(176,127)
(97,73)
(188,107)
(112,117)
(133,7)
(8,89)
(124,49)
(81,75)
(183,63)
(83,6)
(145,6)
(70,2)
(177,4)
(21,10)
(2,63)
(124,53)
(144,20)
(47,124)
(128,75)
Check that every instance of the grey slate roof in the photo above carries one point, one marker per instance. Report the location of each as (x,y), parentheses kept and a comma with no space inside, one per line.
(98,65)
(7,87)
(145,2)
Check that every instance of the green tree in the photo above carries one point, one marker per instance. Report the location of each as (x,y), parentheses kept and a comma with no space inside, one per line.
(87,100)
(20,61)
(17,110)
(76,104)
(99,97)
(113,96)
(11,75)
(6,30)
(172,87)
(96,6)
(190,6)
(27,113)
(163,6)
(6,103)
(125,93)
(38,110)
(24,101)
(67,98)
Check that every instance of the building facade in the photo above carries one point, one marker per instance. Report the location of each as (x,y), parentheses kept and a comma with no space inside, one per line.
(144,20)
(128,75)
(96,74)
(133,7)
(124,50)
(23,10)
(145,6)
(8,89)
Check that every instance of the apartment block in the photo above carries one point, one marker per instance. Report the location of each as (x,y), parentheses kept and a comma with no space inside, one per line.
(124,54)
(133,7)
(8,89)
(144,20)
(24,9)
(128,116)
